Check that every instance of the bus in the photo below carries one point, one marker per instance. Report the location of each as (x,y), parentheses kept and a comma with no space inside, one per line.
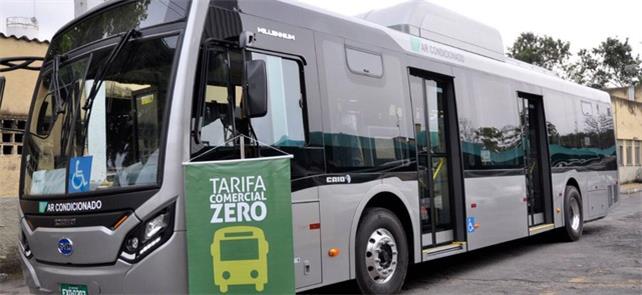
(414,137)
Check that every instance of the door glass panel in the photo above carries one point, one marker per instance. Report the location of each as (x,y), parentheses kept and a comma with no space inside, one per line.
(424,200)
(441,192)
(531,125)
(434,100)
(216,120)
(417,96)
(282,126)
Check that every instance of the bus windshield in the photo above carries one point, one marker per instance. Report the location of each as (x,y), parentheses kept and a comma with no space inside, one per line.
(81,140)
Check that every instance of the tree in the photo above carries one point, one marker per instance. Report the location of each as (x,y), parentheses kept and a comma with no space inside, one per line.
(611,64)
(543,51)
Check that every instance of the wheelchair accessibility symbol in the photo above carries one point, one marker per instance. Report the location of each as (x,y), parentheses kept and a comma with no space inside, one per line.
(79,174)
(470,224)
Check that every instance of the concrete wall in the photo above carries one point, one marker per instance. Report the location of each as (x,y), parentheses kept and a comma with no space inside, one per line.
(9,175)
(623,92)
(18,92)
(19,88)
(628,119)
(20,83)
(629,174)
(628,131)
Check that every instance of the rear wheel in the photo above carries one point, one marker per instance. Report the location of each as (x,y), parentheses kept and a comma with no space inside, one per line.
(381,253)
(573,215)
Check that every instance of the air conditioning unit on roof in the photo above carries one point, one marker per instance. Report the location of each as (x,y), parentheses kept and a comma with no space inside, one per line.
(435,23)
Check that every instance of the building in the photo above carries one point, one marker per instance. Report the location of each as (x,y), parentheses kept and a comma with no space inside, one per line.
(15,106)
(627,106)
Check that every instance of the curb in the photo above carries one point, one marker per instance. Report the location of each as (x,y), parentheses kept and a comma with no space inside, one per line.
(632,191)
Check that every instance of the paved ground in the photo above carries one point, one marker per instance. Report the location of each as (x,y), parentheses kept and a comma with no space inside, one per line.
(631,187)
(8,234)
(607,260)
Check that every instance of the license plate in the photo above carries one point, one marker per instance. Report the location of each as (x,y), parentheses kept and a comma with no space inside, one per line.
(67,289)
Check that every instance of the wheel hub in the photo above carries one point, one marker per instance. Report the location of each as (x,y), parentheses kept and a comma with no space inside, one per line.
(381,256)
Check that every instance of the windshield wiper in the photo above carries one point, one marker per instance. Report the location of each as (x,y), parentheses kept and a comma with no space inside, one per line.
(102,71)
(58,101)
(99,79)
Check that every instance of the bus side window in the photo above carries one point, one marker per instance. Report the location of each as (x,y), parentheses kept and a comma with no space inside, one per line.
(282,126)
(211,117)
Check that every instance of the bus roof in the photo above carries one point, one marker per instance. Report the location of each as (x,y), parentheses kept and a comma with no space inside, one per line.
(459,48)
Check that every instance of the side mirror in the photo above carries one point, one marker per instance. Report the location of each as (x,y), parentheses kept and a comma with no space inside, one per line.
(2,81)
(257,92)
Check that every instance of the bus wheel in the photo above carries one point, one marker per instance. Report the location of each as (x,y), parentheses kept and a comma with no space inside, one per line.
(573,215)
(381,253)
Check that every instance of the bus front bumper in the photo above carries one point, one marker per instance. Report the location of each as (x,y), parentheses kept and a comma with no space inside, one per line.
(163,271)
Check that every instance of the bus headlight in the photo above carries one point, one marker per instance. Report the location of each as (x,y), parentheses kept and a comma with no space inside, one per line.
(148,235)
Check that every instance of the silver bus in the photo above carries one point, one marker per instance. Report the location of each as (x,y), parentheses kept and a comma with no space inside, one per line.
(413,138)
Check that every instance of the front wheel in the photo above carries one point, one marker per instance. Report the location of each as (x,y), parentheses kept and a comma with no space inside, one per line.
(381,253)
(573,215)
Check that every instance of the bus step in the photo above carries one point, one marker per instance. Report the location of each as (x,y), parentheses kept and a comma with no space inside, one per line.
(540,228)
(443,251)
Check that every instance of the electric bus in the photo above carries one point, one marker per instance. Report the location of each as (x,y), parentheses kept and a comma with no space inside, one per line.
(414,137)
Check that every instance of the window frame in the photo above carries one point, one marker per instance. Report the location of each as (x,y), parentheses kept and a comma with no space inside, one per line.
(621,153)
(628,146)
(300,62)
(202,76)
(363,73)
(201,88)
(637,152)
(589,105)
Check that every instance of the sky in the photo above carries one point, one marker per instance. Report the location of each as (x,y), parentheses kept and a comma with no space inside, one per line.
(51,14)
(585,23)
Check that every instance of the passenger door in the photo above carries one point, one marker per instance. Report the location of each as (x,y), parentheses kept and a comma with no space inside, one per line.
(536,164)
(432,99)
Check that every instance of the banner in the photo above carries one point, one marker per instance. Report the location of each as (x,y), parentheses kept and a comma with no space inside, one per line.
(239,226)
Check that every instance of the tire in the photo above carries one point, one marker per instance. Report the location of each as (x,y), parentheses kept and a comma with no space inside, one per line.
(380,229)
(573,215)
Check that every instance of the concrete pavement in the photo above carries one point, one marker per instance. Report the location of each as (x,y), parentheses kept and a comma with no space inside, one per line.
(8,234)
(631,188)
(607,260)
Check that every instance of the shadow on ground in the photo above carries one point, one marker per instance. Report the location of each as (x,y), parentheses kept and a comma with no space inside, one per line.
(435,270)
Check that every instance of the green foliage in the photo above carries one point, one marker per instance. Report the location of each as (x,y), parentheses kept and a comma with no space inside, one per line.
(611,64)
(543,51)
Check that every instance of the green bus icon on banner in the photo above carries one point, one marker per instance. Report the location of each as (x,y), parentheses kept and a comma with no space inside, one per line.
(239,257)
